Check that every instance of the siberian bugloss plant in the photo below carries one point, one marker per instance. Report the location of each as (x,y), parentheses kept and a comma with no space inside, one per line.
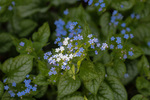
(74,50)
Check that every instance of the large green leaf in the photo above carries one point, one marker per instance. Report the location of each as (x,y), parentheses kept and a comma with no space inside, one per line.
(132,71)
(118,89)
(126,4)
(139,97)
(143,66)
(17,68)
(5,42)
(42,35)
(87,71)
(42,90)
(104,93)
(107,29)
(94,84)
(117,70)
(143,86)
(41,80)
(1,89)
(43,68)
(6,96)
(67,85)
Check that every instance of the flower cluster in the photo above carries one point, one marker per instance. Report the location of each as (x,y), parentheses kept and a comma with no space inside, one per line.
(100,4)
(27,88)
(71,49)
(133,15)
(10,8)
(63,29)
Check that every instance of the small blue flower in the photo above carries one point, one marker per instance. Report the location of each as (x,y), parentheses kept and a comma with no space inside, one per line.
(85,0)
(121,6)
(12,94)
(128,29)
(50,73)
(102,5)
(22,44)
(92,46)
(123,31)
(111,46)
(34,89)
(63,67)
(131,36)
(14,84)
(81,49)
(13,3)
(90,35)
(114,12)
(119,46)
(137,16)
(60,44)
(123,24)
(10,8)
(5,80)
(19,94)
(125,56)
(6,87)
(148,43)
(66,12)
(27,90)
(91,41)
(130,53)
(27,76)
(98,45)
(78,54)
(112,38)
(100,1)
(96,52)
(0,7)
(69,45)
(126,75)
(96,4)
(76,43)
(132,15)
(126,36)
(90,2)
(118,40)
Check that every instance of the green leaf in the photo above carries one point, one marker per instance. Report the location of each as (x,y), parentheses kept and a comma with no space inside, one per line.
(94,84)
(5,42)
(143,86)
(118,89)
(42,90)
(132,71)
(74,98)
(31,8)
(143,66)
(116,4)
(87,71)
(6,96)
(17,68)
(139,97)
(43,68)
(42,35)
(67,85)
(107,29)
(104,93)
(58,2)
(117,70)
(41,80)
(1,89)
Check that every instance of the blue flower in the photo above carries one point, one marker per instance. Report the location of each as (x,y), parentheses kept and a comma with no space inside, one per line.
(137,16)
(96,4)
(14,84)
(12,94)
(92,46)
(0,7)
(123,31)
(132,15)
(118,40)
(128,29)
(34,89)
(126,75)
(130,53)
(27,90)
(96,52)
(148,43)
(50,73)
(63,67)
(80,37)
(126,36)
(131,36)
(90,2)
(81,49)
(112,38)
(69,45)
(66,12)
(13,3)
(102,5)
(60,44)
(121,6)
(10,8)
(5,80)
(90,35)
(19,94)
(111,46)
(22,44)
(98,45)
(114,12)
(119,46)
(76,43)
(6,87)
(125,56)
(91,41)
(123,24)
(78,54)
(100,1)
(85,0)
(27,76)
